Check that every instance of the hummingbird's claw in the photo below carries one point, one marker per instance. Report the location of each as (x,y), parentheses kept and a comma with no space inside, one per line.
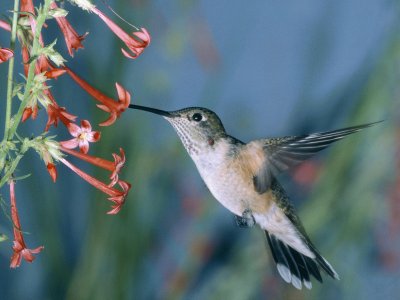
(246,220)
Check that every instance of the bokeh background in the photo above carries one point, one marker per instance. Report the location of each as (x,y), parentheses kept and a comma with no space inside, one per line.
(268,68)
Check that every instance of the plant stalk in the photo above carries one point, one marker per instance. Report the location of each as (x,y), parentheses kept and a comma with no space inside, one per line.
(31,71)
(10,78)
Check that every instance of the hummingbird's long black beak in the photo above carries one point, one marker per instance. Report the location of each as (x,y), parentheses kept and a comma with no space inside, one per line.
(152,110)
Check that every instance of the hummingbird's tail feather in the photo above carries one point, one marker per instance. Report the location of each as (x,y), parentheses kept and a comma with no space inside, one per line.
(295,267)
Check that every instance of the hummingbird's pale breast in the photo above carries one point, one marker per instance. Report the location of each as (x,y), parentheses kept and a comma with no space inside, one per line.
(228,170)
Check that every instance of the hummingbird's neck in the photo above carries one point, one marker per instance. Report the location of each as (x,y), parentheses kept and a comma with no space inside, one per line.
(214,152)
(208,158)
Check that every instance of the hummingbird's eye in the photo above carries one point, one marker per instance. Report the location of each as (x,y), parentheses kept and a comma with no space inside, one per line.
(197,117)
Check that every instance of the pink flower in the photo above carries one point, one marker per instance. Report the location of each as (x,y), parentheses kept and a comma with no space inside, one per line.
(5,54)
(82,136)
(72,39)
(135,43)
(19,246)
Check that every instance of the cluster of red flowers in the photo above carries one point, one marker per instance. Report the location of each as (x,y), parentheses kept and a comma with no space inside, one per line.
(51,151)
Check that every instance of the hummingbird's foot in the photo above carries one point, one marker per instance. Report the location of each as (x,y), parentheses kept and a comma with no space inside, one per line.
(246,220)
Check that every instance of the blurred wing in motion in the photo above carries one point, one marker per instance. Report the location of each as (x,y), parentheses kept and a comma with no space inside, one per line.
(287,152)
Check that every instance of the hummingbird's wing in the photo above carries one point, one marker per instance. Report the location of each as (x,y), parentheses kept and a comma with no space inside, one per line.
(286,152)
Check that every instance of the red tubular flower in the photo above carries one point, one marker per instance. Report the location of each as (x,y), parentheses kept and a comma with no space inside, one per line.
(82,136)
(19,246)
(25,59)
(43,65)
(49,162)
(120,199)
(115,108)
(135,43)
(27,5)
(113,166)
(72,39)
(54,73)
(51,168)
(28,112)
(5,54)
(55,113)
(116,196)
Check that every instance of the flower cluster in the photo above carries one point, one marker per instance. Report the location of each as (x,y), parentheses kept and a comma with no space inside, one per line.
(41,65)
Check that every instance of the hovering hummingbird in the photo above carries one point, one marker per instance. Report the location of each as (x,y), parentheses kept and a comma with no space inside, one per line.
(242,177)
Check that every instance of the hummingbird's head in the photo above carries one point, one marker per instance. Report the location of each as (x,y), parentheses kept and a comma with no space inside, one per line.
(198,128)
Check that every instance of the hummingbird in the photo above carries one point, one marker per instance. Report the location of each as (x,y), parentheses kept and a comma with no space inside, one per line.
(243,178)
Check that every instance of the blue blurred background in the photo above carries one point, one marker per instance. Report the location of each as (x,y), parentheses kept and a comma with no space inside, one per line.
(268,68)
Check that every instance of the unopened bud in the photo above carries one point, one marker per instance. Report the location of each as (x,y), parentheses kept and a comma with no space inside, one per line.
(58,12)
(52,54)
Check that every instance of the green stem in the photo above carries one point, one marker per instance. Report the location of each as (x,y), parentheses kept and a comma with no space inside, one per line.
(11,70)
(31,72)
(10,77)
(11,170)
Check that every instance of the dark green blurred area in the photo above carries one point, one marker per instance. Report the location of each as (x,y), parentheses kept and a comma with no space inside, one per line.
(268,69)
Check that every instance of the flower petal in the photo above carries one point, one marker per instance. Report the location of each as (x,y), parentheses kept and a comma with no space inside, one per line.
(5,54)
(70,144)
(93,136)
(119,162)
(86,125)
(84,146)
(111,119)
(54,73)
(74,129)
(15,260)
(144,35)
